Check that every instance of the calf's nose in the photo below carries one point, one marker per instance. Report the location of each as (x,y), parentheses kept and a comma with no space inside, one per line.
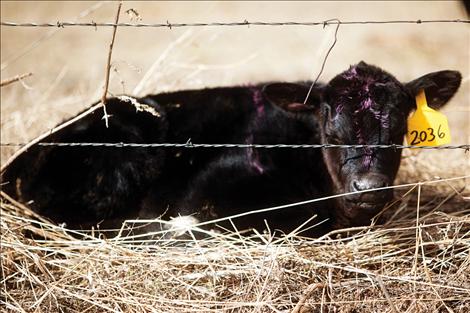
(370,181)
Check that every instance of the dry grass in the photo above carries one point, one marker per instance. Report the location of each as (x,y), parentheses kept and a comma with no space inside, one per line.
(409,264)
(417,261)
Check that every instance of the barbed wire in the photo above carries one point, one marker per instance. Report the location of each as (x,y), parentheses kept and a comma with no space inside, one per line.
(245,22)
(189,144)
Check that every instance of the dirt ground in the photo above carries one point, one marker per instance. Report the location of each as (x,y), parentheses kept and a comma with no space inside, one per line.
(68,64)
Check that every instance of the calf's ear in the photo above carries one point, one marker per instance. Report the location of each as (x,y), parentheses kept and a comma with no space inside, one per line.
(439,87)
(291,96)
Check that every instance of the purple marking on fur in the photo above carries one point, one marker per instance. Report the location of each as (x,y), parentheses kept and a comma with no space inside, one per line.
(340,106)
(252,155)
(351,73)
(362,87)
(367,104)
(367,162)
(256,164)
(348,75)
(258,101)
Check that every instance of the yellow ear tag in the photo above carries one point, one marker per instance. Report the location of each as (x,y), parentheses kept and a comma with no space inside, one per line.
(427,127)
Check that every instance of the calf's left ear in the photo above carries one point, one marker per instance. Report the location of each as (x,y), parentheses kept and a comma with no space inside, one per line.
(291,96)
(439,87)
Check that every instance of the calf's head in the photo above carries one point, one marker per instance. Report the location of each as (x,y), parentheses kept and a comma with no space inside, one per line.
(365,105)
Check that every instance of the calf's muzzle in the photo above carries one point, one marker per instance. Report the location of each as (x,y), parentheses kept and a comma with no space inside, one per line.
(369,200)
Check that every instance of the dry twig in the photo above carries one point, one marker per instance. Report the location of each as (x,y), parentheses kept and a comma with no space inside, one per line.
(9,81)
(108,67)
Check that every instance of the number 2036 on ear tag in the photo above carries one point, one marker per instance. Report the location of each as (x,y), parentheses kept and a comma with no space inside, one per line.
(427,127)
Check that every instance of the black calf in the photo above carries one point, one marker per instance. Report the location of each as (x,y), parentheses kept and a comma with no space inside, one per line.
(363,105)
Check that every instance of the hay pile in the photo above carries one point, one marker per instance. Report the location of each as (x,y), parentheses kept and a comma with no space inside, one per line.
(405,265)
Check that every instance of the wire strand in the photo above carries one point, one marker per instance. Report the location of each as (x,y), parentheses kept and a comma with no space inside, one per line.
(167,24)
(189,144)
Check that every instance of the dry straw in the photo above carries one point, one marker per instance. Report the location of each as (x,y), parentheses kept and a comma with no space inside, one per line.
(411,263)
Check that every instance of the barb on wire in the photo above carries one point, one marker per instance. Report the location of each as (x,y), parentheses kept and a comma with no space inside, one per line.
(32,45)
(189,144)
(245,22)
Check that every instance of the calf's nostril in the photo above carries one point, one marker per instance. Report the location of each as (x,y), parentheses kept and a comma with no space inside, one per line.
(357,186)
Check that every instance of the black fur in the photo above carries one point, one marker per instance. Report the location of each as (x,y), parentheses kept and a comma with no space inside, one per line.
(84,186)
